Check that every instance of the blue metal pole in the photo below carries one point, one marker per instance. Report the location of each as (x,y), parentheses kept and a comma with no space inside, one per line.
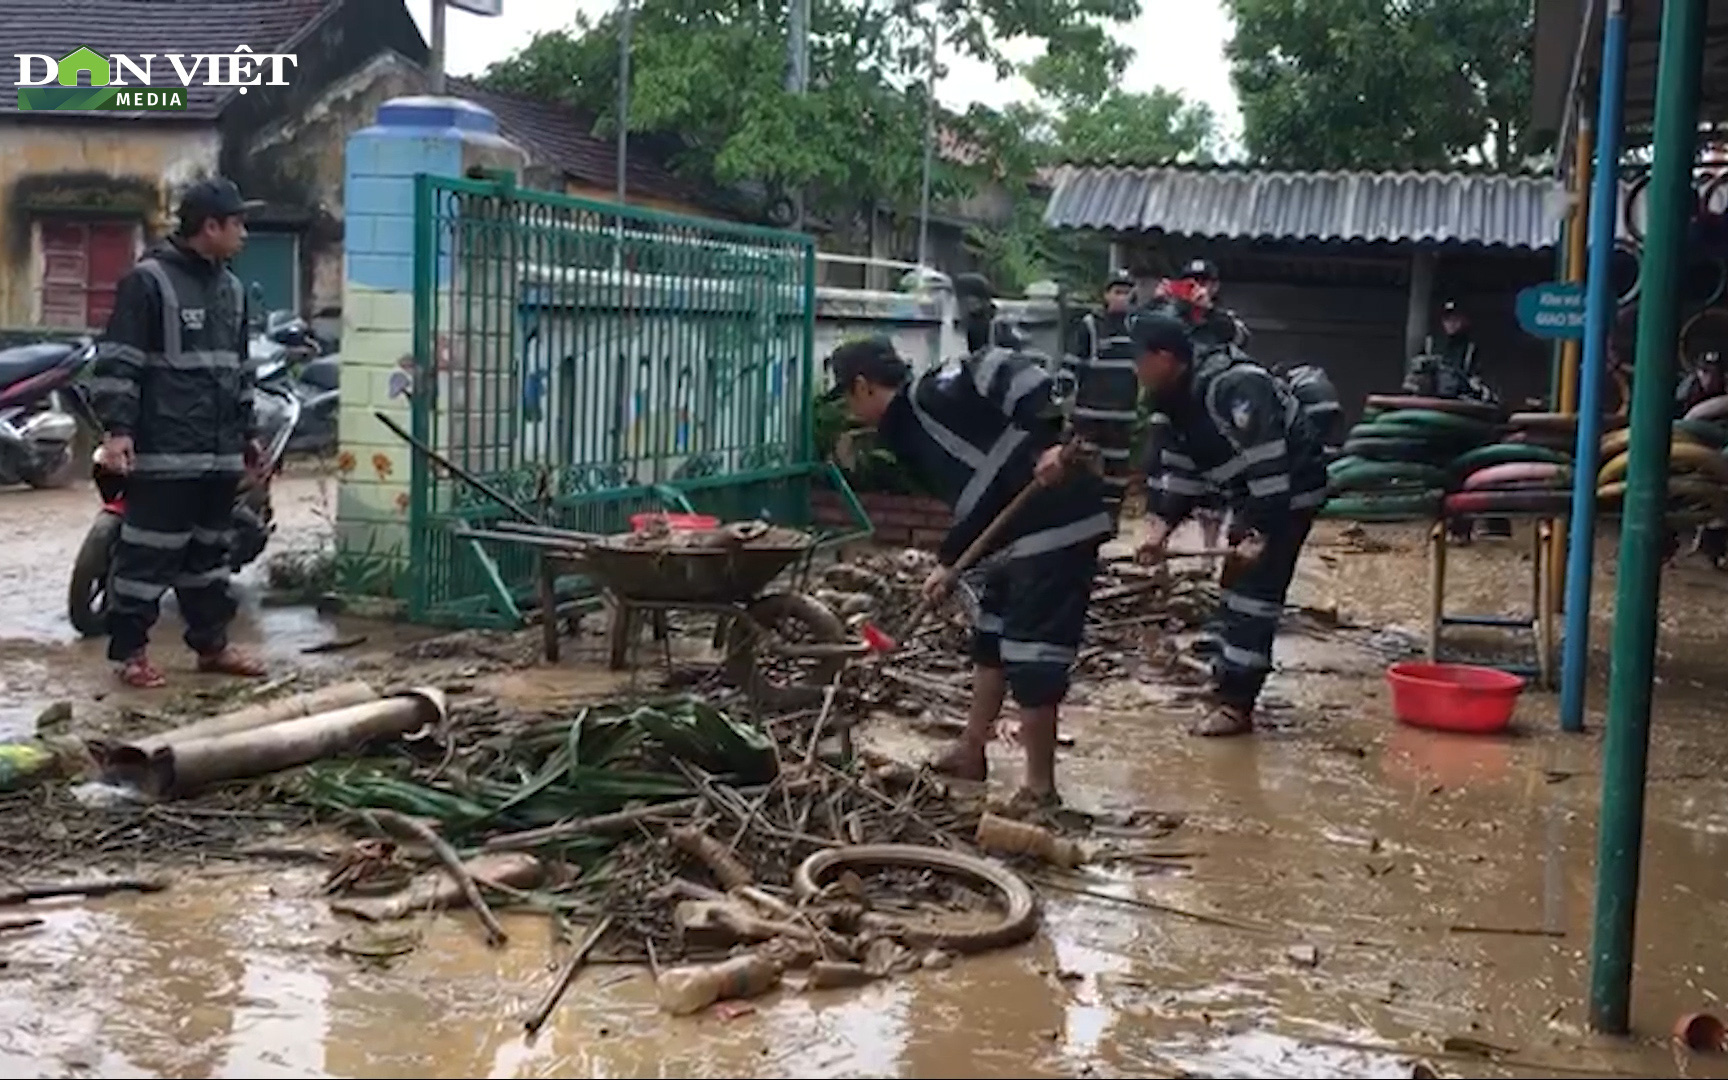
(1598,315)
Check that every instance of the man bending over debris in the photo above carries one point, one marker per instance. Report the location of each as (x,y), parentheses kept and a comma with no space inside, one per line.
(981,430)
(1233,425)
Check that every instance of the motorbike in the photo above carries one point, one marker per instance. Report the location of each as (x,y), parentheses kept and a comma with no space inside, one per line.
(40,410)
(278,414)
(288,352)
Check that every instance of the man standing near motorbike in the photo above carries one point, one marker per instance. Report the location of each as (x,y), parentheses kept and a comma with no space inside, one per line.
(173,388)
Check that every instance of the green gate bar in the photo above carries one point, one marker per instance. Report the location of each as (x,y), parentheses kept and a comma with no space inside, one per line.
(1626,749)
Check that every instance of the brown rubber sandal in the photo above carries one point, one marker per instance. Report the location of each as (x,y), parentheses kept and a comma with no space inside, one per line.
(140,674)
(1222,722)
(231,661)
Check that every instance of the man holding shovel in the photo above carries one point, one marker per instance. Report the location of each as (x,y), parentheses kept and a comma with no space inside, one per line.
(985,434)
(1235,427)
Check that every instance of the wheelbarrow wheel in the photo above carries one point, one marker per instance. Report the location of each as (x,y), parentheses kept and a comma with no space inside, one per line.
(791,683)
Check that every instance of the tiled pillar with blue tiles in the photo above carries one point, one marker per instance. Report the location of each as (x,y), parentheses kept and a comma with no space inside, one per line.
(440,136)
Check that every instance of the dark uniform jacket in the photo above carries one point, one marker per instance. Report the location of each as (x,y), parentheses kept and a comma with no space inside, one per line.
(1234,426)
(974,429)
(173,371)
(1107,394)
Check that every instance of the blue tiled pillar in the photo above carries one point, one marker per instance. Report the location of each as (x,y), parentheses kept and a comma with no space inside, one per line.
(438,136)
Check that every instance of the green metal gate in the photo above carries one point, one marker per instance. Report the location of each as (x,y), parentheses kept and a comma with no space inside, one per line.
(593,364)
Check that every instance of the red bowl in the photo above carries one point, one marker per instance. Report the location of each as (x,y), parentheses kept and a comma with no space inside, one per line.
(675,522)
(1453,697)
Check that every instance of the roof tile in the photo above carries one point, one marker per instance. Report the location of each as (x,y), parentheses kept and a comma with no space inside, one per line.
(59,27)
(1444,209)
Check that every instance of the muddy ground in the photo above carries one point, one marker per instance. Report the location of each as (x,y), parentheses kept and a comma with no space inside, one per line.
(1344,898)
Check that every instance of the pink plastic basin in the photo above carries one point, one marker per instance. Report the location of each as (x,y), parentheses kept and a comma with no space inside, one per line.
(1453,697)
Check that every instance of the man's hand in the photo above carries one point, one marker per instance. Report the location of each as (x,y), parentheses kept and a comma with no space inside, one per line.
(1051,465)
(118,455)
(1151,549)
(938,585)
(1248,549)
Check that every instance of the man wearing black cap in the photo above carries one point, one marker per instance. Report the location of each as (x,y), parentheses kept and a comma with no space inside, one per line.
(1107,395)
(980,430)
(1235,428)
(1448,371)
(172,385)
(976,298)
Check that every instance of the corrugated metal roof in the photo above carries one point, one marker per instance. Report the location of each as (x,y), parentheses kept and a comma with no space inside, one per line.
(1239,204)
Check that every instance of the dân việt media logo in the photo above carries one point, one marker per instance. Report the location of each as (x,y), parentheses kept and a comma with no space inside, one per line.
(85,80)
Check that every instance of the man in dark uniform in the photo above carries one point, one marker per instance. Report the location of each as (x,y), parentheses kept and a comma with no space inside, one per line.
(1448,371)
(1107,393)
(1233,427)
(980,317)
(172,386)
(980,430)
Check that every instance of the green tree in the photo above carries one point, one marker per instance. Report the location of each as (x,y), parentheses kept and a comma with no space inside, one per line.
(1375,84)
(1147,129)
(713,73)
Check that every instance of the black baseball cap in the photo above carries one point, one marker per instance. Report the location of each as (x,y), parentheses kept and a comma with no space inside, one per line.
(218,197)
(1200,269)
(871,358)
(1155,332)
(1119,279)
(1450,307)
(974,285)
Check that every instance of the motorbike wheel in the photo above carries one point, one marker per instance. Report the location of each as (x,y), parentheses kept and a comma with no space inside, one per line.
(87,595)
(57,473)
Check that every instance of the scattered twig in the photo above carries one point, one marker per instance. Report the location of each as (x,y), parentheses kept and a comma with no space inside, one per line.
(402,824)
(578,958)
(24,894)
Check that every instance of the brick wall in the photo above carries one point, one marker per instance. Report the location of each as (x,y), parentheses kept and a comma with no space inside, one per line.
(901,520)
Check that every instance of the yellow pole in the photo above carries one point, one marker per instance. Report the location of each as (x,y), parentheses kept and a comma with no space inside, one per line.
(1569,350)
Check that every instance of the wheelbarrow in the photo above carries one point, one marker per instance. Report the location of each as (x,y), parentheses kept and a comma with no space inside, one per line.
(781,647)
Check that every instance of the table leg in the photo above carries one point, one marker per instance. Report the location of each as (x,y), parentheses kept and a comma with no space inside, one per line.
(1547,611)
(621,635)
(1436,588)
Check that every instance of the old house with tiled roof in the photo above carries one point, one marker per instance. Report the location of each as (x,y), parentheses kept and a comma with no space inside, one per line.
(81,193)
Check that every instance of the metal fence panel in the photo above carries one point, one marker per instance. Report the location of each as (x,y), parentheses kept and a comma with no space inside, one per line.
(597,363)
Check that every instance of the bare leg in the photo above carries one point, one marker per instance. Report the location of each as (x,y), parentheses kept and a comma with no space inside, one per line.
(1038,736)
(965,760)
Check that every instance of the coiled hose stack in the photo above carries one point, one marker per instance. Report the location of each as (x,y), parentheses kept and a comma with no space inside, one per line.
(1399,462)
(1697,468)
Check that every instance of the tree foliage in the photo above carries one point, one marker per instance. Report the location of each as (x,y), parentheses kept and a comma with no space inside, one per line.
(713,72)
(1377,84)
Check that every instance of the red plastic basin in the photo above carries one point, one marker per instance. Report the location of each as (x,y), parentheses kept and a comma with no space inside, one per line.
(1453,697)
(675,522)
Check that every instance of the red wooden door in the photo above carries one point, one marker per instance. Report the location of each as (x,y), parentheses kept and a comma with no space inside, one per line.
(82,261)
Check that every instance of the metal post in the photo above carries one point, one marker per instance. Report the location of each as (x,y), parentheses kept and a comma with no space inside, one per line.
(1598,313)
(1575,237)
(1626,745)
(929,151)
(438,60)
(625,17)
(798,78)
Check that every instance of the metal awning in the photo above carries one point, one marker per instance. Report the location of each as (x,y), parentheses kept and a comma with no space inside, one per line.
(1568,53)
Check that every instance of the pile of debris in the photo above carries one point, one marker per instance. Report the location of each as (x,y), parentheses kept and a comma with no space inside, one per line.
(1133,628)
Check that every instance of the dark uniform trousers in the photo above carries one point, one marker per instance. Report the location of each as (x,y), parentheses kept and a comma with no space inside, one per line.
(1031,618)
(1250,609)
(176,535)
